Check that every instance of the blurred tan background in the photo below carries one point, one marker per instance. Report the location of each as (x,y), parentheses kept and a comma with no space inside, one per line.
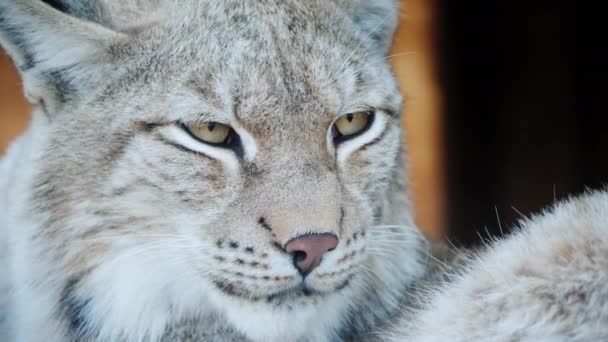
(411,57)
(14,109)
(413,61)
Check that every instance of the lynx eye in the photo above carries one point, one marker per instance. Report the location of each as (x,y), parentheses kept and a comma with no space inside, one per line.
(213,133)
(350,125)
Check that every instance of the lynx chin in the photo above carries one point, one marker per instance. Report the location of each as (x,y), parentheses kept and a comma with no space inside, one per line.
(232,170)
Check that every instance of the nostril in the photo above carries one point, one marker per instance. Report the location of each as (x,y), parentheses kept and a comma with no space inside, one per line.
(299,256)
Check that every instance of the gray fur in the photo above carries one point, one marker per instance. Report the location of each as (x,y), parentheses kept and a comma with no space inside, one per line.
(548,281)
(202,329)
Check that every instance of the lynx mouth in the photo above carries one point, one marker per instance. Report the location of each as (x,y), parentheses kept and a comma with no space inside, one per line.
(298,293)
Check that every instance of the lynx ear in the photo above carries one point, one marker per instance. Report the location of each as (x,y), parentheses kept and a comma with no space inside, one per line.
(377,19)
(58,55)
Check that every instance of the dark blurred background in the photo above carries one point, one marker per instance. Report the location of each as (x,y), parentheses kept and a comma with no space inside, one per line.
(524,120)
(504,114)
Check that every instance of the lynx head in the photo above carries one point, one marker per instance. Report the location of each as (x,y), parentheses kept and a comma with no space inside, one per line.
(241,157)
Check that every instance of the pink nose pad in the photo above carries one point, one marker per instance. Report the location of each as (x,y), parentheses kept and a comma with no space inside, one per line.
(307,250)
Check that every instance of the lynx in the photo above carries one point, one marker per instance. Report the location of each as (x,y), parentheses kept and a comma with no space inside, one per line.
(236,163)
(233,170)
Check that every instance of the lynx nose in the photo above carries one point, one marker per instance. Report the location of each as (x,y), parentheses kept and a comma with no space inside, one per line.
(307,250)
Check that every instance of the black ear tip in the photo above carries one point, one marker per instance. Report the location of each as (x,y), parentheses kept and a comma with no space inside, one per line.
(83,9)
(12,36)
(58,5)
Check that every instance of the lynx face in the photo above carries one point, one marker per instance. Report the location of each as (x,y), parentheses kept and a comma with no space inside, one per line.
(233,156)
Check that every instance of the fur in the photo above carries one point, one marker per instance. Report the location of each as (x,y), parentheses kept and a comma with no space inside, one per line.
(548,281)
(122,227)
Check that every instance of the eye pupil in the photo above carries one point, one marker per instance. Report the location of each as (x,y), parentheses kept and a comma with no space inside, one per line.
(349,117)
(211,126)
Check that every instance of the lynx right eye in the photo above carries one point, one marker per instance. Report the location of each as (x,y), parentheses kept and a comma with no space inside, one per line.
(212,133)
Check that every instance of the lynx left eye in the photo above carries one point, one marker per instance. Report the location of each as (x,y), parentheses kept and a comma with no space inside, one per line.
(351,125)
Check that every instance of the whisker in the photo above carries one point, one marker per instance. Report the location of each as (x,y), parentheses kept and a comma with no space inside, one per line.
(377,61)
(498,219)
(518,212)
(138,236)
